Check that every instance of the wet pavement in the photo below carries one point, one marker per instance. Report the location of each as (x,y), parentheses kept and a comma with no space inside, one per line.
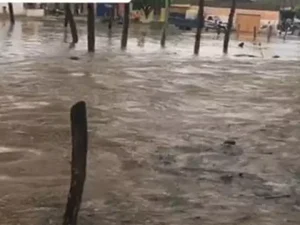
(157,123)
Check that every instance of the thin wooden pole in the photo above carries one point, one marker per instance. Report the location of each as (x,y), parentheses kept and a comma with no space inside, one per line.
(238,31)
(70,19)
(285,33)
(66,15)
(254,33)
(165,27)
(78,165)
(125,26)
(229,27)
(269,35)
(76,9)
(200,18)
(218,30)
(91,27)
(11,13)
(111,16)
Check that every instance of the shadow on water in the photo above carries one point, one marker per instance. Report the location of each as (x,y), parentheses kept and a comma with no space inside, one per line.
(174,139)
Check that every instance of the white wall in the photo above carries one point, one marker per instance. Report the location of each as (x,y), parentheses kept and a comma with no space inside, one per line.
(18,8)
(35,12)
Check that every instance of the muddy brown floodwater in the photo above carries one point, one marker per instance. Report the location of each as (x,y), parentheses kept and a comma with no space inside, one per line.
(157,123)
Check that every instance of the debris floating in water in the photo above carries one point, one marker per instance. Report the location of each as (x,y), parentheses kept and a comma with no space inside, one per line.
(278,196)
(74,58)
(245,55)
(229,142)
(227,178)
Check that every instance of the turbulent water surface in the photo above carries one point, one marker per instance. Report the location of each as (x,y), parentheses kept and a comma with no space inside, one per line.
(157,123)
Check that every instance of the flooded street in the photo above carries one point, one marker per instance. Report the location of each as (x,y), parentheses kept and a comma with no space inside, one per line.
(157,123)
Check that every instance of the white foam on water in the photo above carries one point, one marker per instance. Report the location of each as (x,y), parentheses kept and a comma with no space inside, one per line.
(33,151)
(29,105)
(278,187)
(4,177)
(5,149)
(35,209)
(77,74)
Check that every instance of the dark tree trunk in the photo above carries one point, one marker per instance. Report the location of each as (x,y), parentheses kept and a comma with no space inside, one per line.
(165,27)
(111,16)
(81,8)
(229,27)
(269,35)
(254,33)
(11,13)
(70,19)
(125,26)
(66,21)
(91,27)
(76,9)
(66,15)
(78,164)
(200,18)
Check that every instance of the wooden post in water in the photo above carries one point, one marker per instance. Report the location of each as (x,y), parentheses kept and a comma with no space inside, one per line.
(78,165)
(125,26)
(286,26)
(238,31)
(229,27)
(91,27)
(11,13)
(66,15)
(70,19)
(111,16)
(76,9)
(254,33)
(200,18)
(269,35)
(165,27)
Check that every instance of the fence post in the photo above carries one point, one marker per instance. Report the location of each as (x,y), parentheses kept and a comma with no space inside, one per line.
(111,16)
(238,31)
(270,30)
(165,27)
(229,26)
(91,27)
(125,26)
(200,19)
(69,18)
(66,21)
(254,33)
(11,13)
(78,164)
